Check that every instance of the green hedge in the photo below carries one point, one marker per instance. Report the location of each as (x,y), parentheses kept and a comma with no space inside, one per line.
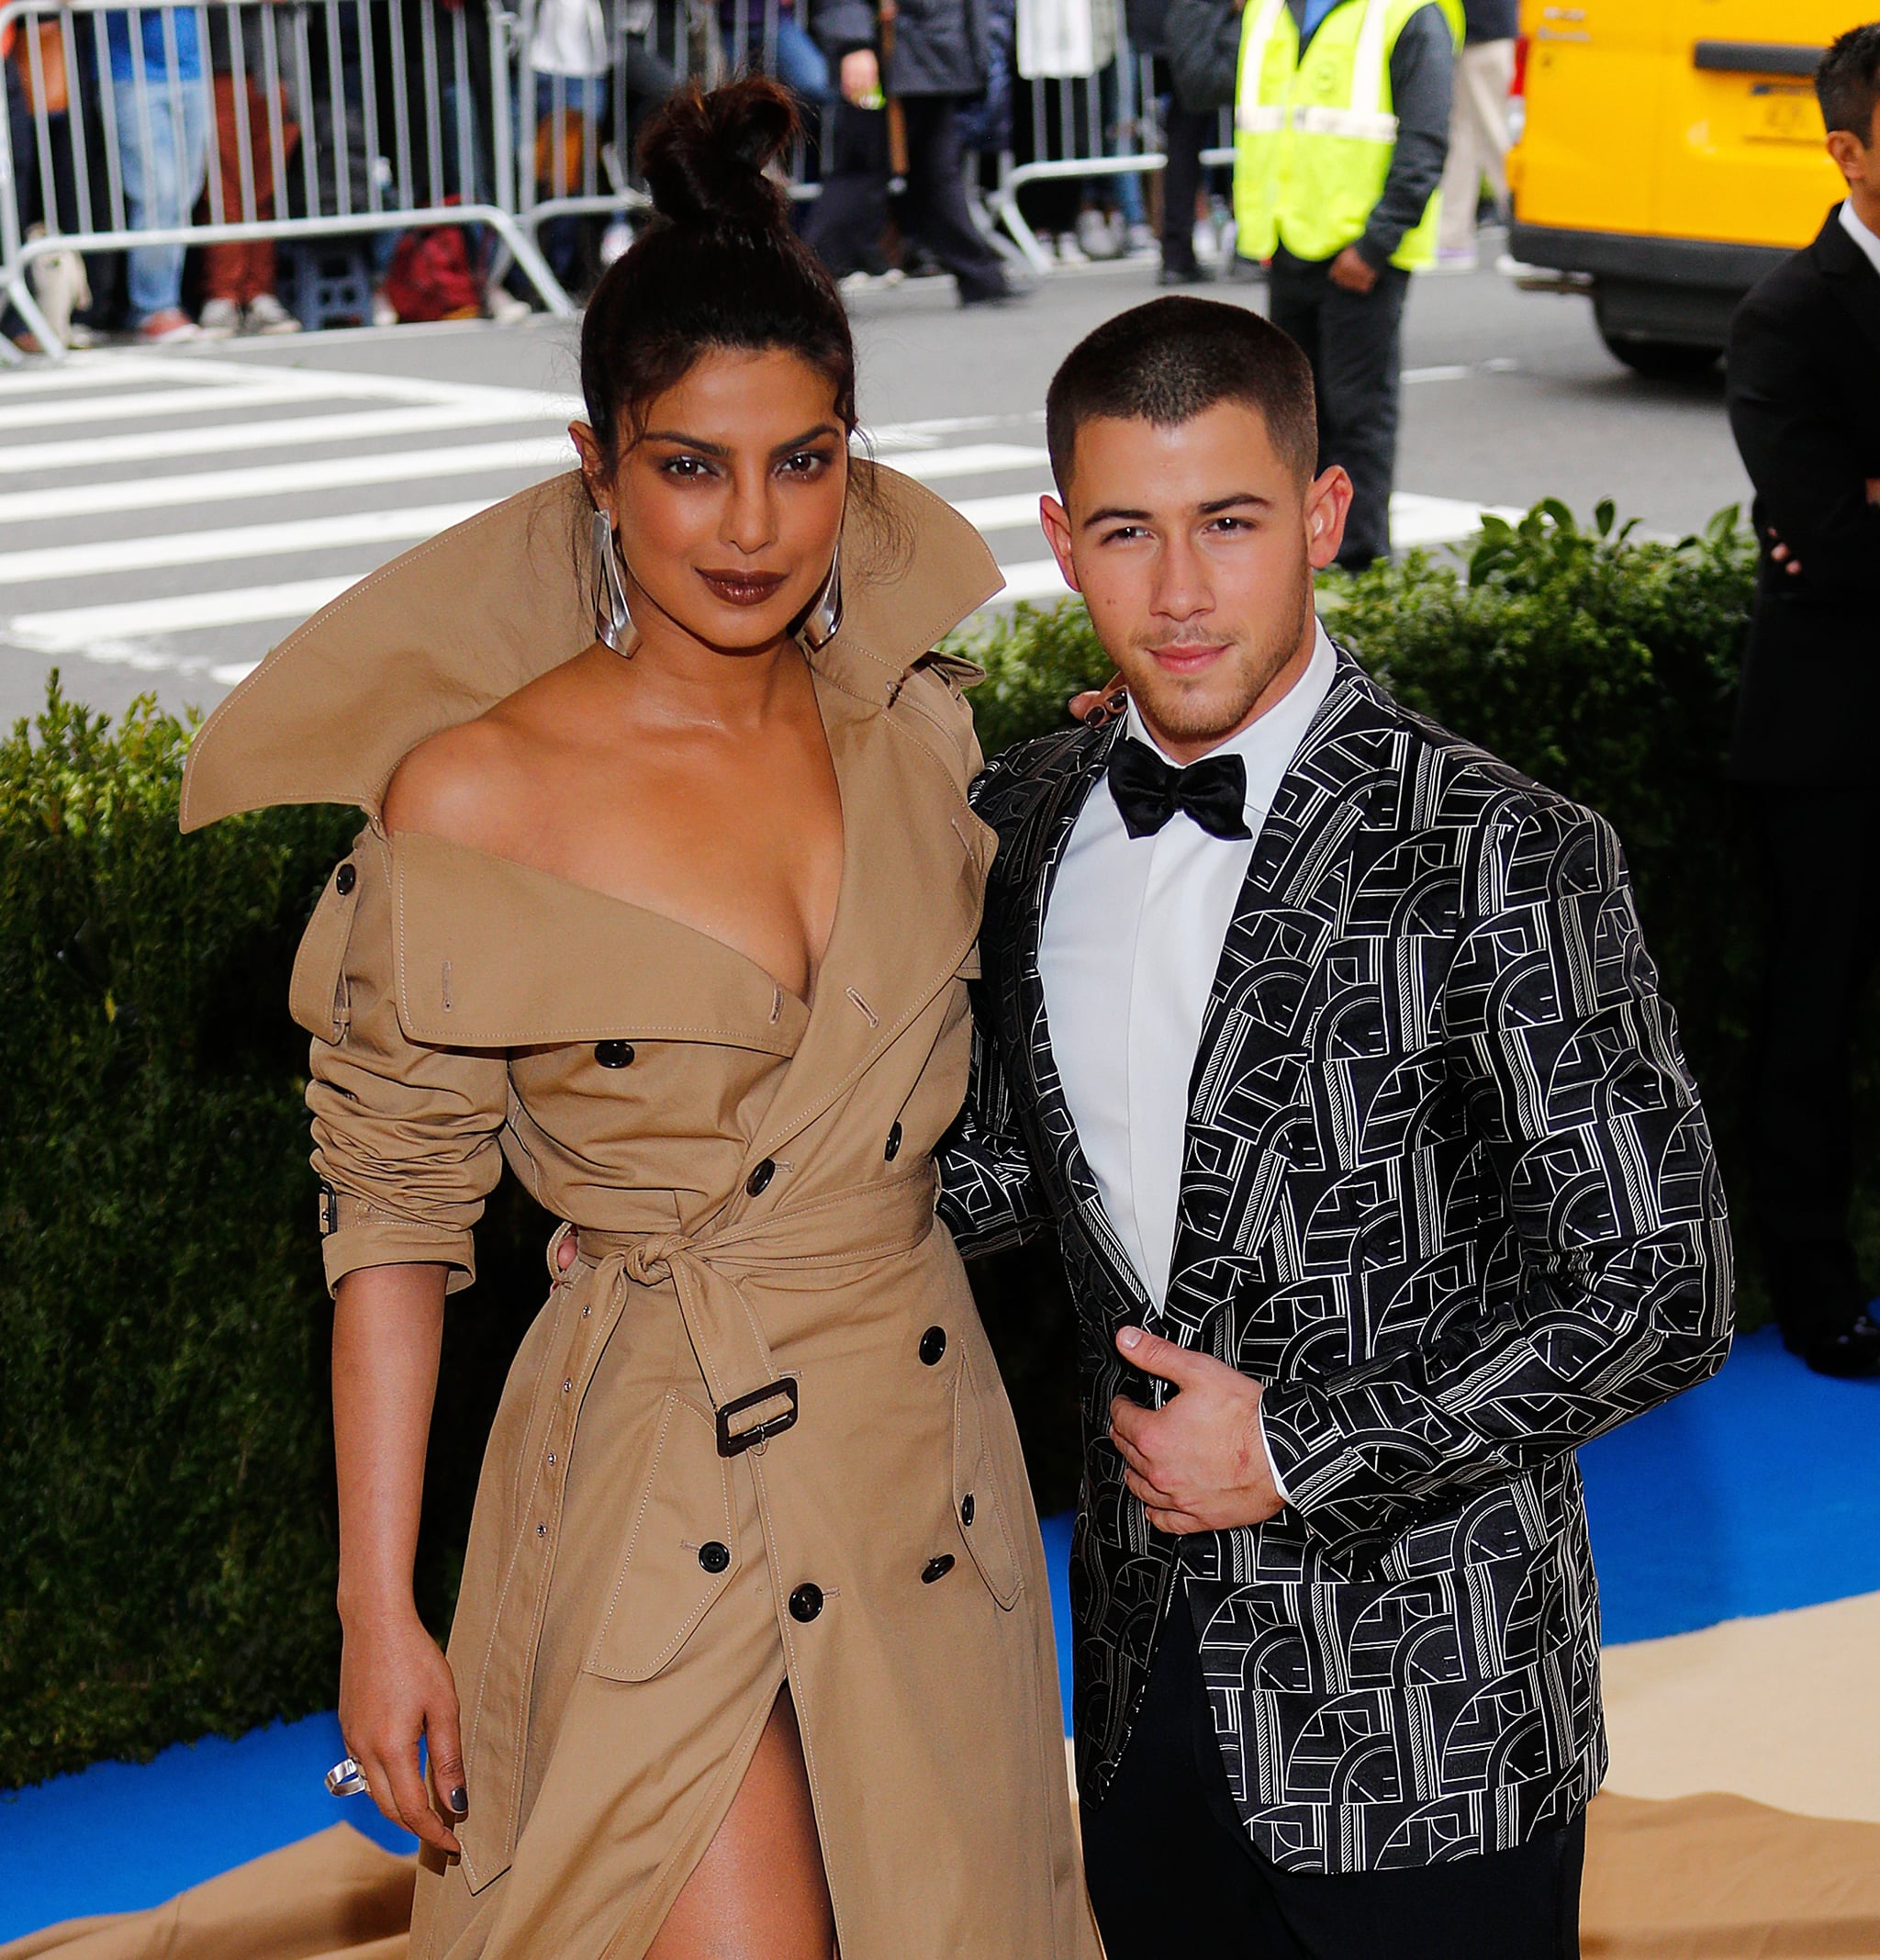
(169,1564)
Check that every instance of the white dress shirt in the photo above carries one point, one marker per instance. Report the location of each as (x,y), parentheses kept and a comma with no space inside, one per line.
(1131,944)
(1861,235)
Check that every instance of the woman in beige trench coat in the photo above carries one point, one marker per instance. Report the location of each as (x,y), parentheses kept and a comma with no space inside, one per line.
(754,1451)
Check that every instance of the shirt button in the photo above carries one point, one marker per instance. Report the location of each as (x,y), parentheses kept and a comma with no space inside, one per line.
(613,1054)
(806,1602)
(933,1346)
(966,1509)
(346,878)
(714,1556)
(893,1149)
(758,1183)
(937,1568)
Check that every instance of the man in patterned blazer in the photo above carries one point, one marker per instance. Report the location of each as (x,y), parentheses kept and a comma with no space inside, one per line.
(1330,1047)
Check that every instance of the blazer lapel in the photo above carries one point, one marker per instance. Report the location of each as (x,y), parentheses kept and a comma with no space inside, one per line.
(1289,907)
(1029,864)
(1852,278)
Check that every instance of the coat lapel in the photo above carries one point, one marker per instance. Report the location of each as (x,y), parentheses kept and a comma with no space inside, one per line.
(915,864)
(1295,895)
(1852,277)
(1036,850)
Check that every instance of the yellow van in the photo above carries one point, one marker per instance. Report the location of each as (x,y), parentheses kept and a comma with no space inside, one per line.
(1671,154)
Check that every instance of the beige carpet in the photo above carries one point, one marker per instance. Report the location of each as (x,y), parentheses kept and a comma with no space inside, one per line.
(1784,1710)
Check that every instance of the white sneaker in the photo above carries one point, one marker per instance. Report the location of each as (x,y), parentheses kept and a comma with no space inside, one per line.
(384,313)
(505,309)
(1069,252)
(1207,247)
(220,320)
(168,327)
(1142,243)
(1455,259)
(1095,238)
(265,314)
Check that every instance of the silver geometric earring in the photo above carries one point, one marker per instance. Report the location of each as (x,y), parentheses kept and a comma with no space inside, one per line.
(823,622)
(613,621)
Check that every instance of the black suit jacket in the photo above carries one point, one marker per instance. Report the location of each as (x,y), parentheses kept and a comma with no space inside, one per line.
(1447,1190)
(1804,405)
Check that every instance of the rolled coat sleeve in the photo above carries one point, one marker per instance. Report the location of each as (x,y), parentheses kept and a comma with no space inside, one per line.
(405,1135)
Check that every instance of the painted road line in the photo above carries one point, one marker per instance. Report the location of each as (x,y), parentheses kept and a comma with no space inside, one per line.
(79,371)
(109,556)
(538,455)
(1036,578)
(1439,519)
(93,630)
(373,425)
(64,410)
(970,459)
(999,513)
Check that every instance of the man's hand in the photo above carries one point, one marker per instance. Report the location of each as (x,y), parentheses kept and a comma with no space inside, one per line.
(1199,1462)
(1353,271)
(861,78)
(1100,705)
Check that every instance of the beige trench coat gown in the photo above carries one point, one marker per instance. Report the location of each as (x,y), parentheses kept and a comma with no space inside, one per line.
(750,1179)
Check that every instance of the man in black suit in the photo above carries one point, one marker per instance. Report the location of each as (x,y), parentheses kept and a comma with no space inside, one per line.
(1805,404)
(1329,1047)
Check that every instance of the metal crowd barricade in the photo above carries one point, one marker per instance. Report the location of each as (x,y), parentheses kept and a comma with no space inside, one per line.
(1086,128)
(368,125)
(572,80)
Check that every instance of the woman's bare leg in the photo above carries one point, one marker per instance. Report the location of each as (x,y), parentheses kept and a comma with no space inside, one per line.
(759,1892)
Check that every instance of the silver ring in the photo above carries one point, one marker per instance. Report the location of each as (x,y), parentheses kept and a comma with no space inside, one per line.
(345,1778)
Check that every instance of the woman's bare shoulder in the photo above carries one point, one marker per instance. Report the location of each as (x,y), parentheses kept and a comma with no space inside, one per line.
(461,784)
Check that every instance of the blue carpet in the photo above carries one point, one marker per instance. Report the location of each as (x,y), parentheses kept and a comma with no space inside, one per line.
(1754,1494)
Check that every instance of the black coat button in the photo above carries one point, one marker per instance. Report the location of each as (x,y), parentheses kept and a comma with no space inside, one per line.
(613,1054)
(806,1602)
(893,1149)
(758,1183)
(346,878)
(933,1346)
(937,1568)
(714,1556)
(966,1509)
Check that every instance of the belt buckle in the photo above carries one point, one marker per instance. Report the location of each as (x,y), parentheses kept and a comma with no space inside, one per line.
(734,1444)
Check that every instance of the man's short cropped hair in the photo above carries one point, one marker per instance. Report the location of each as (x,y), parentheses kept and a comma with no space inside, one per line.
(1173,359)
(1848,81)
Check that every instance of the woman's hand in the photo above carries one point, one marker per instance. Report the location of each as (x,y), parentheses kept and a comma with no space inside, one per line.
(395,1686)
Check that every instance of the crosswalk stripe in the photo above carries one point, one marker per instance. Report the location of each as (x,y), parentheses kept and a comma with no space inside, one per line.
(371,425)
(80,370)
(999,513)
(84,629)
(114,409)
(535,454)
(110,556)
(970,459)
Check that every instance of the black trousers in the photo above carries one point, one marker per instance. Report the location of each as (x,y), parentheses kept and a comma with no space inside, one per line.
(1184,135)
(844,227)
(1354,341)
(1820,854)
(1173,1873)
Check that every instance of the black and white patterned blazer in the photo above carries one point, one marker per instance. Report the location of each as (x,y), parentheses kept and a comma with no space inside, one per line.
(1449,1191)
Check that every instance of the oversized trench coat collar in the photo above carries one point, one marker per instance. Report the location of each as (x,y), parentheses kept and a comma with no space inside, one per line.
(446,632)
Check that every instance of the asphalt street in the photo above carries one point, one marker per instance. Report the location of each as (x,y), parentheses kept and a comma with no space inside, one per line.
(167,516)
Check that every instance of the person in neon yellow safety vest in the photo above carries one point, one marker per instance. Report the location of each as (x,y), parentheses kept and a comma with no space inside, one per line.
(1341,131)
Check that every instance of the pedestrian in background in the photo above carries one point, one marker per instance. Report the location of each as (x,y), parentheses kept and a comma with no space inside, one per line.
(1342,127)
(938,58)
(253,136)
(1478,126)
(161,109)
(1196,45)
(1803,393)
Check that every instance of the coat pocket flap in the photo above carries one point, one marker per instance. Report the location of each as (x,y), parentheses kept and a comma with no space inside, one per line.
(976,1502)
(681,1548)
(317,995)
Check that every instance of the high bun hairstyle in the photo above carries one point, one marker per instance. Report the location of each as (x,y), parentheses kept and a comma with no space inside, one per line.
(720,267)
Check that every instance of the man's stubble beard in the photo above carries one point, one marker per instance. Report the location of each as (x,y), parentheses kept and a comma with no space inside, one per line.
(1190,713)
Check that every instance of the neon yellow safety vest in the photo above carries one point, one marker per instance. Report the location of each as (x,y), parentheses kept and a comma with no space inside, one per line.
(1313,137)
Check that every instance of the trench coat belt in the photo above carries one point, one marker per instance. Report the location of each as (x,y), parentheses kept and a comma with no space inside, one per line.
(752,1400)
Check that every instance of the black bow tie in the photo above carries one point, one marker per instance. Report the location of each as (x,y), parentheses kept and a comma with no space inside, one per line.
(1148,792)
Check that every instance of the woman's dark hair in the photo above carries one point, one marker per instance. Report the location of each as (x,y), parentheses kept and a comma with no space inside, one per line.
(718,266)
